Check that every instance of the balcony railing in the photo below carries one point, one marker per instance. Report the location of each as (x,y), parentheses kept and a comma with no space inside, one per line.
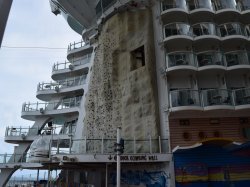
(75,45)
(225,4)
(80,80)
(210,58)
(196,4)
(210,97)
(201,29)
(106,146)
(216,97)
(27,131)
(59,105)
(185,97)
(169,4)
(20,131)
(244,5)
(242,96)
(183,58)
(229,29)
(13,158)
(237,58)
(67,65)
(174,29)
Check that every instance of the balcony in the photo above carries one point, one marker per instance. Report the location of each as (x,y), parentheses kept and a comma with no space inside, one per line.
(19,134)
(237,60)
(45,91)
(64,107)
(180,60)
(244,5)
(242,98)
(233,34)
(184,100)
(210,60)
(176,33)
(214,99)
(78,49)
(74,68)
(172,9)
(205,33)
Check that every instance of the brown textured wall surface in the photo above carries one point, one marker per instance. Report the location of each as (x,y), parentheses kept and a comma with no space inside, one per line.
(118,95)
(227,128)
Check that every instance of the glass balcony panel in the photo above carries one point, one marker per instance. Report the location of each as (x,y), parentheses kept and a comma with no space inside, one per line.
(177,29)
(225,4)
(180,59)
(204,29)
(185,98)
(236,58)
(232,29)
(242,96)
(168,4)
(210,58)
(244,5)
(196,4)
(217,97)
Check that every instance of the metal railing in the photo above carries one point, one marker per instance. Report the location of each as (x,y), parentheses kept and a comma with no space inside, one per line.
(169,4)
(217,97)
(76,45)
(207,58)
(197,4)
(234,28)
(204,28)
(206,4)
(47,106)
(241,96)
(199,29)
(20,131)
(95,146)
(13,158)
(180,58)
(174,29)
(184,97)
(106,146)
(236,58)
(209,97)
(225,4)
(66,83)
(27,131)
(68,65)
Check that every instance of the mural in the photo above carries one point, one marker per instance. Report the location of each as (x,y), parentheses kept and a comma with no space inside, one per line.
(142,178)
(212,166)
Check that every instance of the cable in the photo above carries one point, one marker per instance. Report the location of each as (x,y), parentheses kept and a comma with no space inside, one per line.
(31,47)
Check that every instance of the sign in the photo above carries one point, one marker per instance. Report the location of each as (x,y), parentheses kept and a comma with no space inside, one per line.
(134,158)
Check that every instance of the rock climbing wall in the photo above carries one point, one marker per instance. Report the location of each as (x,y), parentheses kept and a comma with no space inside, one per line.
(120,93)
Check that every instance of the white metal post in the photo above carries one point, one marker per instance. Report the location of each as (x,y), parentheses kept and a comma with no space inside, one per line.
(118,172)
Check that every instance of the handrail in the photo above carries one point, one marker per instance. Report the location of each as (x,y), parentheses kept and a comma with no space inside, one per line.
(62,104)
(76,45)
(66,65)
(232,97)
(240,30)
(65,83)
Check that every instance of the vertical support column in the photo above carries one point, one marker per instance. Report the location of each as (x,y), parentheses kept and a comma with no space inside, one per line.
(118,171)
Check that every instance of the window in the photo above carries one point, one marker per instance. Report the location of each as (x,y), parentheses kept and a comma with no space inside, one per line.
(137,58)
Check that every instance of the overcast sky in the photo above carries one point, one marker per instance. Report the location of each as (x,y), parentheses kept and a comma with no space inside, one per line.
(31,24)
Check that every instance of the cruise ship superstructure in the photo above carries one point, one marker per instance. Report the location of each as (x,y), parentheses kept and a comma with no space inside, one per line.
(174,75)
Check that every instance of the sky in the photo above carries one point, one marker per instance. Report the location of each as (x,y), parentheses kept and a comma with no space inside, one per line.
(31,24)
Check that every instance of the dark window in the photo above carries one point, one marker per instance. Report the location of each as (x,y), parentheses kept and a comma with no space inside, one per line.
(138,58)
